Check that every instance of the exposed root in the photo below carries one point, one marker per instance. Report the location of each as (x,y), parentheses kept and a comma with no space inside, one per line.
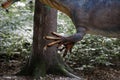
(68,74)
(66,71)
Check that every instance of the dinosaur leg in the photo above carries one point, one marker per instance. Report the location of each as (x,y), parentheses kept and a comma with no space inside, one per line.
(66,42)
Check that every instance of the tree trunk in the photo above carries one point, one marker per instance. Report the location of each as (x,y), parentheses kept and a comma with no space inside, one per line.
(42,61)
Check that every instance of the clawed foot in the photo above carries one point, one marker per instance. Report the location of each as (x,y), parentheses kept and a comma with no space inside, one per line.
(65,42)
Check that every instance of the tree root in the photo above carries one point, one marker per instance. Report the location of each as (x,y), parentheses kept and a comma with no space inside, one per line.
(63,70)
(67,72)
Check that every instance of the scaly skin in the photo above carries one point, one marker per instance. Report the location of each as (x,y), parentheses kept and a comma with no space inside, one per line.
(100,17)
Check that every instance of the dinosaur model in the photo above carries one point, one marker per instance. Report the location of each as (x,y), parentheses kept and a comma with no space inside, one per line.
(99,17)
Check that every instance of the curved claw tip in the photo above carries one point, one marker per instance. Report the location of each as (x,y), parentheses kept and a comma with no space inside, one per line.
(45,48)
(44,37)
(53,32)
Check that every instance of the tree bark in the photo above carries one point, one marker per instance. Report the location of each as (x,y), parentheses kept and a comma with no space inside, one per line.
(42,61)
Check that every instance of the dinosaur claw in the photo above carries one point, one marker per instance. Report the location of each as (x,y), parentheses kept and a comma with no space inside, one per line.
(51,44)
(69,47)
(56,34)
(63,43)
(51,38)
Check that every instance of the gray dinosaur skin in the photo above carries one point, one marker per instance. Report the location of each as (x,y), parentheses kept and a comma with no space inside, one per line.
(100,17)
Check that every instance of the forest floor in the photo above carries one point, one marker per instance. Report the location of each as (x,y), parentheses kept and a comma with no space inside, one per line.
(10,65)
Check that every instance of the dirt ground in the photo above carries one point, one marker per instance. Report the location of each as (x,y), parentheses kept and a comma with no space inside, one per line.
(11,65)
